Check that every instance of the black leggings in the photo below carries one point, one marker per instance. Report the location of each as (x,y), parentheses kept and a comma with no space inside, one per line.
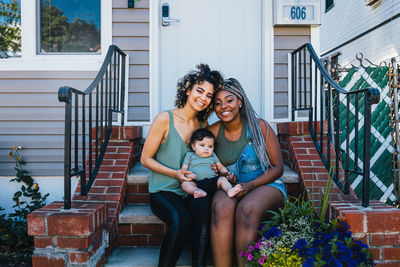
(182,216)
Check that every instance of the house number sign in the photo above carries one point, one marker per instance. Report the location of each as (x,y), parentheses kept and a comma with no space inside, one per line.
(297,12)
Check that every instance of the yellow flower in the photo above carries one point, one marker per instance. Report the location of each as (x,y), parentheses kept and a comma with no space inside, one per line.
(35,186)
(19,158)
(11,154)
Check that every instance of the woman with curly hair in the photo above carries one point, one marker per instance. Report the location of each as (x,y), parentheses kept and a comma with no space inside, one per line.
(249,148)
(163,153)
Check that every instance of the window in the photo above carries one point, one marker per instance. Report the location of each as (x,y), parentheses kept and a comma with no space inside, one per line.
(61,35)
(10,28)
(71,26)
(328,5)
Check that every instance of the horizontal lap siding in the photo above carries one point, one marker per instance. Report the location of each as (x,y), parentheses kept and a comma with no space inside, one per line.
(32,116)
(340,25)
(131,33)
(286,39)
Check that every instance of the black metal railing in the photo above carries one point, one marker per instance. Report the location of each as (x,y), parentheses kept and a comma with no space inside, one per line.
(316,95)
(107,91)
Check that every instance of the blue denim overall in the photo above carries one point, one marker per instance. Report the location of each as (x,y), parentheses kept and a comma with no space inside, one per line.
(248,167)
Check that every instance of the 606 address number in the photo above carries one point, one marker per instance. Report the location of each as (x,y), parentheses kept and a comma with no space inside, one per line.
(297,12)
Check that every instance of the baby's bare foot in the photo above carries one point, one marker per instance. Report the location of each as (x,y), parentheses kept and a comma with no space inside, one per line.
(234,190)
(199,193)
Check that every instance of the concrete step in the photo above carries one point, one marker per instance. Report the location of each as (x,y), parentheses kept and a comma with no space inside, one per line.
(145,257)
(138,213)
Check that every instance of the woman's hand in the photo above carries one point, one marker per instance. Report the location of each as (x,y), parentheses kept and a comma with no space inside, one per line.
(185,175)
(231,177)
(246,188)
(214,168)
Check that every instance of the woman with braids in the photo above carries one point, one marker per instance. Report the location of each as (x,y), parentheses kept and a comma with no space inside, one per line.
(163,153)
(249,148)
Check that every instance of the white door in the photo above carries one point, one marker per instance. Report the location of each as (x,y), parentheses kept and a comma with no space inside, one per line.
(225,34)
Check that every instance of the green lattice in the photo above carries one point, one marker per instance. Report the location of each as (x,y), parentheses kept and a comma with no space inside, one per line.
(381,184)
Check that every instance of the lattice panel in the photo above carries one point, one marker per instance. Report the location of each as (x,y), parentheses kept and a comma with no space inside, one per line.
(381,184)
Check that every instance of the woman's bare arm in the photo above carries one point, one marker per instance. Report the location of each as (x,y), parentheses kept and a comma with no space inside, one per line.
(156,135)
(275,157)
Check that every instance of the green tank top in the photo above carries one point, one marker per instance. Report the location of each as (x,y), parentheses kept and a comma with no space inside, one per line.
(171,154)
(229,151)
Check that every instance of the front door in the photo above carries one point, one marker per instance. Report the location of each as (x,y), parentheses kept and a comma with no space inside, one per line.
(225,34)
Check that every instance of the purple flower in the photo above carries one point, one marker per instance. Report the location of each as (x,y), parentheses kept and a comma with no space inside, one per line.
(301,243)
(313,250)
(344,253)
(361,244)
(334,263)
(301,247)
(258,245)
(261,260)
(251,248)
(352,263)
(274,231)
(249,257)
(241,254)
(345,225)
(309,262)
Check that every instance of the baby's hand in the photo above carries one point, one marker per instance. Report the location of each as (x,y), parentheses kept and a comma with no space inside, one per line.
(191,176)
(182,175)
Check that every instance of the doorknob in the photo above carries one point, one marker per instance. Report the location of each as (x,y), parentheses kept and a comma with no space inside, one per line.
(165,15)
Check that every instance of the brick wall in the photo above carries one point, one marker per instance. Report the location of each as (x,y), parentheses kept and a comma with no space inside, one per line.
(377,226)
(86,232)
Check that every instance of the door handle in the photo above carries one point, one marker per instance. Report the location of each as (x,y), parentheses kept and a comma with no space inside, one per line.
(165,20)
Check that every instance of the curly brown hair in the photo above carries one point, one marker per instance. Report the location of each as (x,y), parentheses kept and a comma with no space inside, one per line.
(203,73)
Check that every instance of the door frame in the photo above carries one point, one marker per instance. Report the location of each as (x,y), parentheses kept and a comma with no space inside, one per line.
(267,68)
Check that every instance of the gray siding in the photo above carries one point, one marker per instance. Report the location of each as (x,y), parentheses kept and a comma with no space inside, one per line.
(32,116)
(286,39)
(131,34)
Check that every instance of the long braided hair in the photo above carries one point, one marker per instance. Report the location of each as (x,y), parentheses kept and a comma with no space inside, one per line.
(247,112)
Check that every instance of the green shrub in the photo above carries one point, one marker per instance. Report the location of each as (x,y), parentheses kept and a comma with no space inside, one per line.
(16,246)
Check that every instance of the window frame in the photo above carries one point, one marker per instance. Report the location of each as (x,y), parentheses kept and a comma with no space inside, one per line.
(327,8)
(31,60)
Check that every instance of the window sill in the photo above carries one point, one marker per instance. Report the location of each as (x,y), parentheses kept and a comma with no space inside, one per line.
(59,63)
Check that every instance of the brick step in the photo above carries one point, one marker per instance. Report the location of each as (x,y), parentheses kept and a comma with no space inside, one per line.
(145,257)
(138,180)
(138,226)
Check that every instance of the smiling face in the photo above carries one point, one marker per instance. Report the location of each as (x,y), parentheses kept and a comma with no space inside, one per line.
(227,106)
(204,148)
(200,96)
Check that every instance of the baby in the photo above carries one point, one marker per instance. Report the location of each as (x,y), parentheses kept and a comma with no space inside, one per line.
(199,163)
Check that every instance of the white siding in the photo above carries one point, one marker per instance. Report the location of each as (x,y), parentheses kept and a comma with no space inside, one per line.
(347,19)
(286,39)
(32,116)
(131,34)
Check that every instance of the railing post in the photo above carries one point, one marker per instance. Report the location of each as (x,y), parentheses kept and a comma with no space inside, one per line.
(64,95)
(371,97)
(123,90)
